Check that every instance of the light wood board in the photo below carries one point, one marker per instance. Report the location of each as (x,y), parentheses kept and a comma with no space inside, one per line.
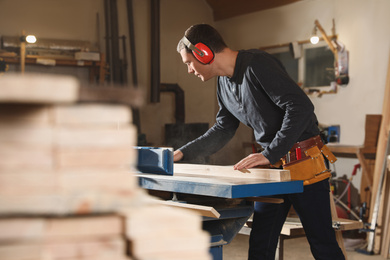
(204,211)
(228,171)
(37,88)
(379,163)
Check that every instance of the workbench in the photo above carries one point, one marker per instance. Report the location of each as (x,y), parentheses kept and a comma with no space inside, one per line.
(230,196)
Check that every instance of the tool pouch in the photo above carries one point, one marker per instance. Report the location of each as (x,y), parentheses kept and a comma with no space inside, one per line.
(311,169)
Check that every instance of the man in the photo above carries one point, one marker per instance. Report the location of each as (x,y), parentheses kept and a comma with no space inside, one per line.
(254,88)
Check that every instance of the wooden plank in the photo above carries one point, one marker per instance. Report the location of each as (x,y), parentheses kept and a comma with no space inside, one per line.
(63,249)
(228,171)
(22,182)
(96,114)
(26,135)
(388,162)
(348,151)
(339,234)
(88,226)
(82,137)
(348,224)
(180,235)
(95,157)
(76,191)
(116,93)
(295,228)
(24,114)
(265,199)
(145,218)
(76,201)
(107,180)
(204,211)
(183,246)
(36,88)
(385,246)
(21,156)
(381,156)
(23,228)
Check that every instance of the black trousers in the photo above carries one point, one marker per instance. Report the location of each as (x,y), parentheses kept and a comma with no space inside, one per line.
(313,208)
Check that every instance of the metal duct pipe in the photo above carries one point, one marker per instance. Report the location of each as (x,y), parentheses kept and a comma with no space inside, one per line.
(155,51)
(179,100)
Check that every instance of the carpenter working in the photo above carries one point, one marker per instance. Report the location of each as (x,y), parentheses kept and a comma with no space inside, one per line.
(255,89)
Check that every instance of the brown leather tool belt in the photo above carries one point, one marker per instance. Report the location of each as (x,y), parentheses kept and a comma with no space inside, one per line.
(303,145)
(305,161)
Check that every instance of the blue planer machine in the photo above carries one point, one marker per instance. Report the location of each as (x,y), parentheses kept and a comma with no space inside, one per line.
(155,160)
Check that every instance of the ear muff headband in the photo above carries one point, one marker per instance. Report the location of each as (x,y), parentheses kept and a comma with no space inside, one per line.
(200,50)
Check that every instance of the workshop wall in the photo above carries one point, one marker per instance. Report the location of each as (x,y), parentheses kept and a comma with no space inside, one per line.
(361,25)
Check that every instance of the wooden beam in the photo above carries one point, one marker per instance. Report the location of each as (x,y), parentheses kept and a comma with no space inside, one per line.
(339,235)
(228,171)
(288,43)
(380,154)
(34,88)
(204,211)
(326,38)
(266,200)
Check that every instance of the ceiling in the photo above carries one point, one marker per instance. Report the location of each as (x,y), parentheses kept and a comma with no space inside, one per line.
(223,9)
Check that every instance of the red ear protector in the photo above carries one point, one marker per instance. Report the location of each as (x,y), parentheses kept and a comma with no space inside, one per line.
(200,50)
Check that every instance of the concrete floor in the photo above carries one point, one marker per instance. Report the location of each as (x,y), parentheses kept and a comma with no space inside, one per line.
(294,249)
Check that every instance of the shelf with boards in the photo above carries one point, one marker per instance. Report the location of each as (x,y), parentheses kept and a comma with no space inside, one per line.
(97,69)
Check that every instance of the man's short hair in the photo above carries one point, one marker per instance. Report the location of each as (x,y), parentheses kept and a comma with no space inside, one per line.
(205,34)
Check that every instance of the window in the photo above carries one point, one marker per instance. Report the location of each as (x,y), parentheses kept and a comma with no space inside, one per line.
(315,68)
(319,67)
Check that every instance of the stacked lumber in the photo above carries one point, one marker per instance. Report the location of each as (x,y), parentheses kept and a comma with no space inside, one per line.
(161,232)
(67,183)
(97,237)
(65,159)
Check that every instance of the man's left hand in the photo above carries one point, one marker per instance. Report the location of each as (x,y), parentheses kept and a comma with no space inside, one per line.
(251,161)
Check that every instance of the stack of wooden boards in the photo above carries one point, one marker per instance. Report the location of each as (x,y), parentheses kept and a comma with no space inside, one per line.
(65,159)
(67,183)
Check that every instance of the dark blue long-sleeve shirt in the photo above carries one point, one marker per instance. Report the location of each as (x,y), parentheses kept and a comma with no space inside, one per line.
(261,95)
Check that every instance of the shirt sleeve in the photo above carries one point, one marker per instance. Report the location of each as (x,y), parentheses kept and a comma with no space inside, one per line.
(215,138)
(286,94)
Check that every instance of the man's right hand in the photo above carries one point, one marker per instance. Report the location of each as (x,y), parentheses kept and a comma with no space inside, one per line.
(251,161)
(177,155)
